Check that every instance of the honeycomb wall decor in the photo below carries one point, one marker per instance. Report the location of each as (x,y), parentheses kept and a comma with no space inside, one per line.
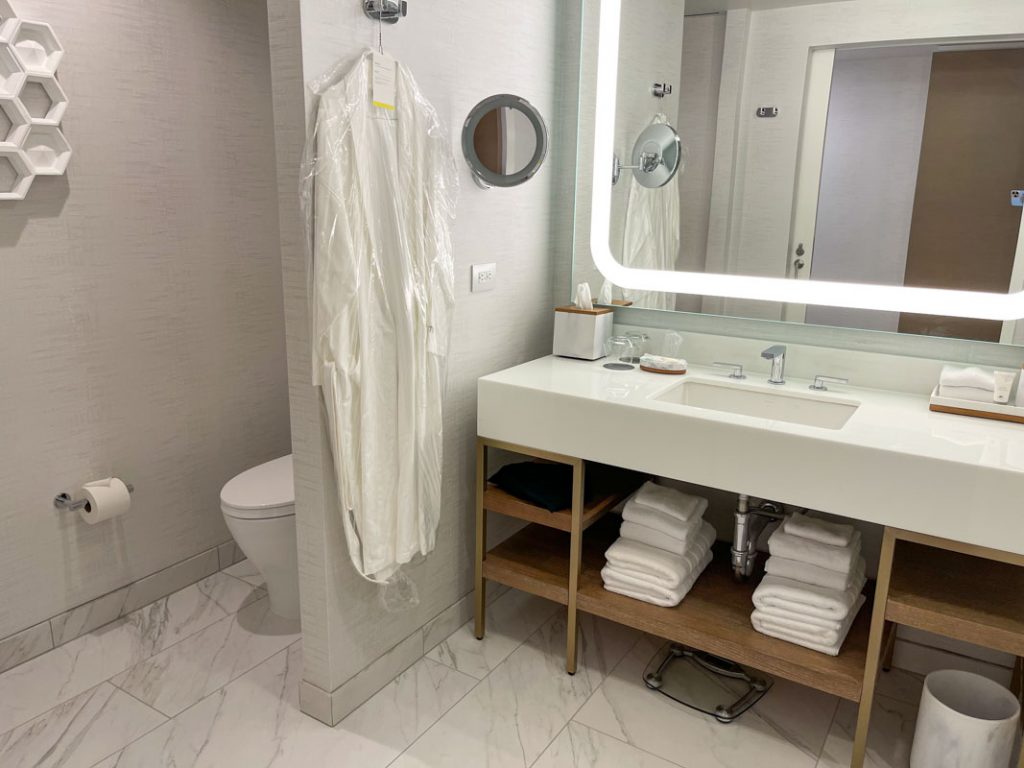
(32,104)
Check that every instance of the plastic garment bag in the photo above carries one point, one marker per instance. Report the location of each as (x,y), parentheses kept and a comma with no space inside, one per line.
(652,234)
(380,190)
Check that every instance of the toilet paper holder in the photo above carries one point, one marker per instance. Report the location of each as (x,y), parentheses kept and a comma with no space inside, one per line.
(65,503)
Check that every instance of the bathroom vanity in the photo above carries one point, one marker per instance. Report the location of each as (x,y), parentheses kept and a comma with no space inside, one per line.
(933,480)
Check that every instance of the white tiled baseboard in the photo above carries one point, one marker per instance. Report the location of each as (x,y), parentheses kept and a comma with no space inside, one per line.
(64,627)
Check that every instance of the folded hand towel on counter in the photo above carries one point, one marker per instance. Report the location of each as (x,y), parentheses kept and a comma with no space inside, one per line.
(669,501)
(644,562)
(811,638)
(647,535)
(649,592)
(663,363)
(822,531)
(791,547)
(967,384)
(814,574)
(805,599)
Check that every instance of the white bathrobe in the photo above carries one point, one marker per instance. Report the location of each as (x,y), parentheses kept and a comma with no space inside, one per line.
(382,282)
(652,234)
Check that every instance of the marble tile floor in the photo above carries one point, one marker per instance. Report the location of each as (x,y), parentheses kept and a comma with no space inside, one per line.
(208,677)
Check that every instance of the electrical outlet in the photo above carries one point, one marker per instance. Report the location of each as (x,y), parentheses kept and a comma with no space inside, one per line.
(484,277)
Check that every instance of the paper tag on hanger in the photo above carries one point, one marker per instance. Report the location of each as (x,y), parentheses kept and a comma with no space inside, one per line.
(385,81)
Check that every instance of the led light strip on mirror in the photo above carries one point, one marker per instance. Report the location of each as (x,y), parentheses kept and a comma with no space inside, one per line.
(926,301)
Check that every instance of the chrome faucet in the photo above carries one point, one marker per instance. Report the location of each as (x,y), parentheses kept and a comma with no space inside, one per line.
(777,354)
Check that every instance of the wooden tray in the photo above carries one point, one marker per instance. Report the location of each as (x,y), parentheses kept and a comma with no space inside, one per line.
(955,405)
(662,370)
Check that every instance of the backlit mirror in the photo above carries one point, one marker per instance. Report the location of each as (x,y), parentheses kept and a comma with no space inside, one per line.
(863,146)
(504,141)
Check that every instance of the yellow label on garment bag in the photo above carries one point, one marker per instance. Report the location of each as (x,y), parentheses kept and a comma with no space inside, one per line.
(384,86)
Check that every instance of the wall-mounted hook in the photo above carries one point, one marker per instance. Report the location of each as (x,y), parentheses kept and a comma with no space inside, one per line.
(388,11)
(661,90)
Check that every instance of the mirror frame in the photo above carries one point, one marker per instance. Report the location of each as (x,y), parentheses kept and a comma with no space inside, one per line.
(483,175)
(927,301)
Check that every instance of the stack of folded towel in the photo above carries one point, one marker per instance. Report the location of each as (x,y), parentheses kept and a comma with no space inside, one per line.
(811,592)
(967,384)
(664,545)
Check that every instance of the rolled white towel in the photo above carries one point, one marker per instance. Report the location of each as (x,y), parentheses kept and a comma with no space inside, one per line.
(668,524)
(814,574)
(647,535)
(805,599)
(841,559)
(967,383)
(628,585)
(645,562)
(677,504)
(822,531)
(808,639)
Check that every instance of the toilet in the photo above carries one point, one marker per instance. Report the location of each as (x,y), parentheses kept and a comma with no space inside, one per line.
(259,508)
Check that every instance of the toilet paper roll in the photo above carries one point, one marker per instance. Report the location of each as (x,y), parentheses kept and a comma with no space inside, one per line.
(107,498)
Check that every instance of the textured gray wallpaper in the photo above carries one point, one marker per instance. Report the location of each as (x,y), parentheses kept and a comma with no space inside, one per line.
(141,328)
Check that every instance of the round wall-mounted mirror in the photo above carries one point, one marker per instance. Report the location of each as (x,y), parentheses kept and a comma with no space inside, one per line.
(504,141)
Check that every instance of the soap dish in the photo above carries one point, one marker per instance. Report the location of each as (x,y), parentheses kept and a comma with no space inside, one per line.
(955,405)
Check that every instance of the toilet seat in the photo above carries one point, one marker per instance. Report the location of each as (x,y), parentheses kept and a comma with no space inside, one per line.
(261,493)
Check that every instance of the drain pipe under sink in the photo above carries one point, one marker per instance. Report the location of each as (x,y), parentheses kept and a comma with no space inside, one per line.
(750,523)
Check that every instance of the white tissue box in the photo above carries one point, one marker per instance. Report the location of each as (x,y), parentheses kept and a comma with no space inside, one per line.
(582,333)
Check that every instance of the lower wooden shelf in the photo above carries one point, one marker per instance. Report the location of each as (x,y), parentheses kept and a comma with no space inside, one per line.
(714,617)
(957,595)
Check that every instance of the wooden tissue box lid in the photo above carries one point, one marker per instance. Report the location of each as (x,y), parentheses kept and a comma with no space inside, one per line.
(574,310)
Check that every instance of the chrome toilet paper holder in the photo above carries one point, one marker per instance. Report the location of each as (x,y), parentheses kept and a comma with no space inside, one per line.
(65,503)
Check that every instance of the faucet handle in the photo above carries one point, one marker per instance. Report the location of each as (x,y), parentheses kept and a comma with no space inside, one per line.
(737,370)
(819,382)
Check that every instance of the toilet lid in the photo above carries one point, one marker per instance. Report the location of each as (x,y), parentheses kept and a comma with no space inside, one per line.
(267,487)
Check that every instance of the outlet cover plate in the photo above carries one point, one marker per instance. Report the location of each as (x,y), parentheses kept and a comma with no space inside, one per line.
(484,277)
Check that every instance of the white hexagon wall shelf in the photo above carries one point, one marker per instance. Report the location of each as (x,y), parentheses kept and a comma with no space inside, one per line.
(47,150)
(32,104)
(35,45)
(44,100)
(12,74)
(14,122)
(15,174)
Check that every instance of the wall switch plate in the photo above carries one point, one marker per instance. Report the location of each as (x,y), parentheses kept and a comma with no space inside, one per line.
(484,277)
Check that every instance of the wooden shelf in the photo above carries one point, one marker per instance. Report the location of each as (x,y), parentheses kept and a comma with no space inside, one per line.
(496,500)
(714,617)
(610,486)
(960,596)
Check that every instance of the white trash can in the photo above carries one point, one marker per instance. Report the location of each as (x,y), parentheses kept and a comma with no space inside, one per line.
(965,721)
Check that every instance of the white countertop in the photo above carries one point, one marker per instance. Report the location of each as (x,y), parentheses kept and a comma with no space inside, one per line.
(894,462)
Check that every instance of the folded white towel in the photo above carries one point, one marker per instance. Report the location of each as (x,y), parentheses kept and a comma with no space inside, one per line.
(647,535)
(814,574)
(822,531)
(810,638)
(668,524)
(972,378)
(805,599)
(625,584)
(967,393)
(645,562)
(841,559)
(677,504)
(663,363)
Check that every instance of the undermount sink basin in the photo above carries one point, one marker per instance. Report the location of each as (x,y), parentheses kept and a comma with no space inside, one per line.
(811,409)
